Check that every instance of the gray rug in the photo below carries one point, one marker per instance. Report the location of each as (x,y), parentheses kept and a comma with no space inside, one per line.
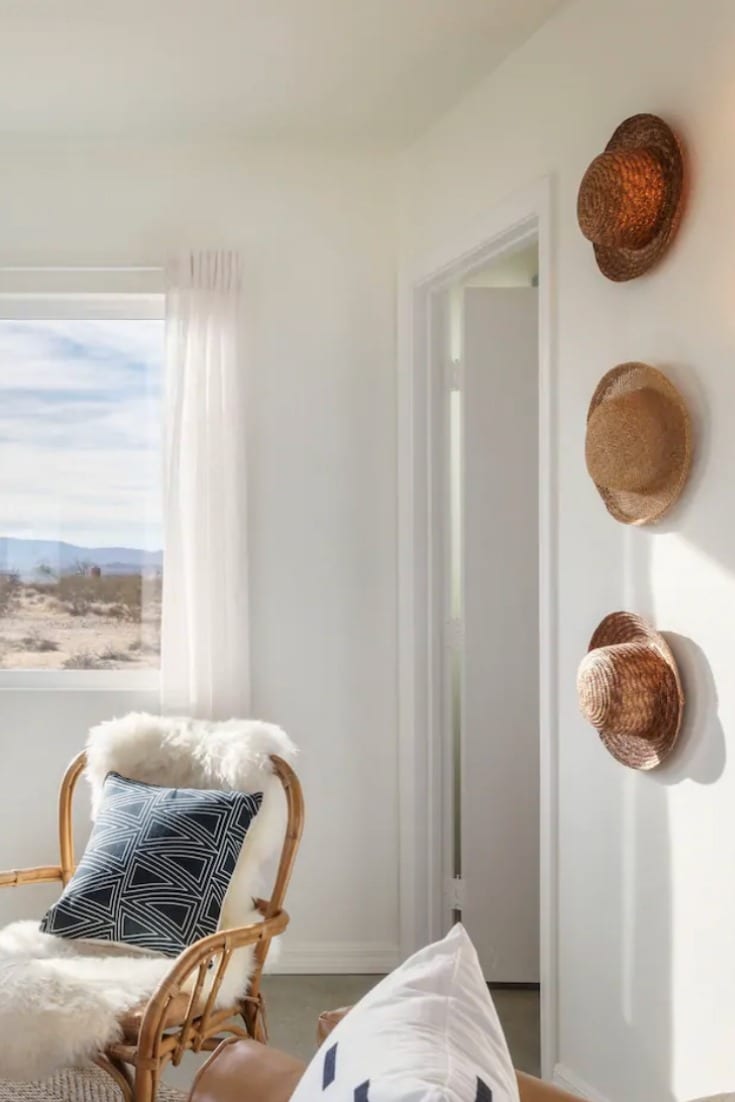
(75,1085)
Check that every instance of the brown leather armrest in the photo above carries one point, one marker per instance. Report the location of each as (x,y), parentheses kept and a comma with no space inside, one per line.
(328,1020)
(534,1090)
(531,1090)
(246,1071)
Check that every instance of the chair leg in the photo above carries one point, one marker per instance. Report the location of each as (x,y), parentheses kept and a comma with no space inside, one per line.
(119,1073)
(146,1085)
(253,1014)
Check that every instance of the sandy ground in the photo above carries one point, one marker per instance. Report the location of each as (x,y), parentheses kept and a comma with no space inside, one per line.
(37,633)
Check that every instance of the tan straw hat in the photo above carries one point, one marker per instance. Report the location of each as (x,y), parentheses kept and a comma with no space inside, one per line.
(629,689)
(639,443)
(631,196)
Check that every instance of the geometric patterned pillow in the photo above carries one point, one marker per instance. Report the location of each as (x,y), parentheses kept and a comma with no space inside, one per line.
(429,1030)
(157,866)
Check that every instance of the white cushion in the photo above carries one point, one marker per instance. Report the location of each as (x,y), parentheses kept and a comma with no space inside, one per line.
(428,1032)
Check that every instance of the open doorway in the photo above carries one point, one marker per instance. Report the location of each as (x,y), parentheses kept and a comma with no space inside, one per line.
(491,674)
(479,757)
(491,654)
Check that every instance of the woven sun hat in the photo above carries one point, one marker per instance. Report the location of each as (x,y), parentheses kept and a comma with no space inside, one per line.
(631,197)
(638,446)
(629,689)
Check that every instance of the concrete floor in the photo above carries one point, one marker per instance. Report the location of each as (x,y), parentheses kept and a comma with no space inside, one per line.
(294,1004)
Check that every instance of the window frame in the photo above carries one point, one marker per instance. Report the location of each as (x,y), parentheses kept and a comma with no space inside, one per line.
(63,301)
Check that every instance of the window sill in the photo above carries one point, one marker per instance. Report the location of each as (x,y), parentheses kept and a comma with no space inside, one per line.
(120,681)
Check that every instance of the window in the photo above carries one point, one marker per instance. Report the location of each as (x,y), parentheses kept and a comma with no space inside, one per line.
(81,557)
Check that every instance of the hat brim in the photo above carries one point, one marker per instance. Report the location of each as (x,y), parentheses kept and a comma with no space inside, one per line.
(649,131)
(645,508)
(635,751)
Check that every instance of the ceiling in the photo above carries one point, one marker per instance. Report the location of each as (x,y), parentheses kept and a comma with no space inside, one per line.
(367,70)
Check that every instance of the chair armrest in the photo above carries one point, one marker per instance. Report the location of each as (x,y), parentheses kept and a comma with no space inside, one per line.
(328,1020)
(198,973)
(247,1071)
(534,1090)
(43,875)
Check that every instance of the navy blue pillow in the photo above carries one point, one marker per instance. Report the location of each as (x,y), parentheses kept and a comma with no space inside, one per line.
(157,866)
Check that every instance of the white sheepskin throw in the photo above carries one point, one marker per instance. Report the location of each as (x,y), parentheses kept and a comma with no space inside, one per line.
(61,1000)
(195,753)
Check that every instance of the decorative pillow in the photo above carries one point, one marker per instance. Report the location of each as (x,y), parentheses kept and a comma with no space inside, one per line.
(429,1032)
(157,866)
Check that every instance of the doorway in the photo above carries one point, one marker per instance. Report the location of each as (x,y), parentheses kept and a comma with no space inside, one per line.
(491,652)
(430,685)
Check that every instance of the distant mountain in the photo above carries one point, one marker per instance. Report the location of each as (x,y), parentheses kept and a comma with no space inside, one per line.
(27,557)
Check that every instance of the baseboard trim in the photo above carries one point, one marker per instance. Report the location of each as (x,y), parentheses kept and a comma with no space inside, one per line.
(570,1081)
(334,958)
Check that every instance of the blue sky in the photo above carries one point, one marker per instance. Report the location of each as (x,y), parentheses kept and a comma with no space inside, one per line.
(80,440)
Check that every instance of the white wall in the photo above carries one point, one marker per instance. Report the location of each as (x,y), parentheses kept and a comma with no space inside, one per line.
(647,892)
(316,234)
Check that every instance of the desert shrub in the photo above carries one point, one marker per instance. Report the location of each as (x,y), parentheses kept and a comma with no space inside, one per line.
(143,646)
(117,596)
(114,612)
(111,654)
(36,642)
(9,592)
(97,660)
(83,660)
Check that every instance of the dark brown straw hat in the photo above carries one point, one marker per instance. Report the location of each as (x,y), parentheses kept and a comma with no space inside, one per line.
(629,689)
(631,196)
(639,443)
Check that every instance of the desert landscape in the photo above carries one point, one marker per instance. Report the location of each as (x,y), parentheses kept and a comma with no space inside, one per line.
(80,621)
(100,612)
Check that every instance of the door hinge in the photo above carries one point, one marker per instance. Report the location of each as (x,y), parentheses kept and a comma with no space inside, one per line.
(456,895)
(454,374)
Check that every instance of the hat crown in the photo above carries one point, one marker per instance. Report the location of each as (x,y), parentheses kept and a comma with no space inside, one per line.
(622,198)
(621,688)
(633,439)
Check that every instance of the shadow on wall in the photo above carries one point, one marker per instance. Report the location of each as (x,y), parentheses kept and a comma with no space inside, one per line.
(630,989)
(701,752)
(645,937)
(637,966)
(697,518)
(695,523)
(662,566)
(654,559)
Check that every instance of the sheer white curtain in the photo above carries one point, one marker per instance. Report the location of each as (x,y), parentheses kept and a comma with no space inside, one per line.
(205,660)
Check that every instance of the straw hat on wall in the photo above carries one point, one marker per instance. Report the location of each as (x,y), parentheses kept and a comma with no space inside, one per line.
(638,446)
(629,689)
(631,197)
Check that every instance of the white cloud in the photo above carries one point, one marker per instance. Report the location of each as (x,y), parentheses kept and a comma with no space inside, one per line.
(80,431)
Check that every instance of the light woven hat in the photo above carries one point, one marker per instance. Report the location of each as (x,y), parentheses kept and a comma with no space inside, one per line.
(631,197)
(629,689)
(638,447)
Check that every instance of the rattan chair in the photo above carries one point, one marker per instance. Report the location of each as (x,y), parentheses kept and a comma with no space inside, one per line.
(182,1014)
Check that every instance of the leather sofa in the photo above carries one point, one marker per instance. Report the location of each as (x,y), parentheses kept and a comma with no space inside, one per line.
(245,1071)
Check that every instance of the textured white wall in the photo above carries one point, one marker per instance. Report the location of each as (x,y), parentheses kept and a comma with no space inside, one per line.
(646,862)
(316,234)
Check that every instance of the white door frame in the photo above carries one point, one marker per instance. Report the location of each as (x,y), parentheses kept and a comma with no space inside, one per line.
(521,218)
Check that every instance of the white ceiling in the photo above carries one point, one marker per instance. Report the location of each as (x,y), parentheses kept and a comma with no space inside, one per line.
(371,70)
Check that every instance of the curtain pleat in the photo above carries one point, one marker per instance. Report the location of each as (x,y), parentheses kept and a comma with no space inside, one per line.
(205,650)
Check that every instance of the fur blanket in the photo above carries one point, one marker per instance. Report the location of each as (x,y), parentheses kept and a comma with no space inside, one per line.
(60,1000)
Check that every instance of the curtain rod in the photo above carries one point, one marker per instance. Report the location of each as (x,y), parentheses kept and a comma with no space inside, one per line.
(81,268)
